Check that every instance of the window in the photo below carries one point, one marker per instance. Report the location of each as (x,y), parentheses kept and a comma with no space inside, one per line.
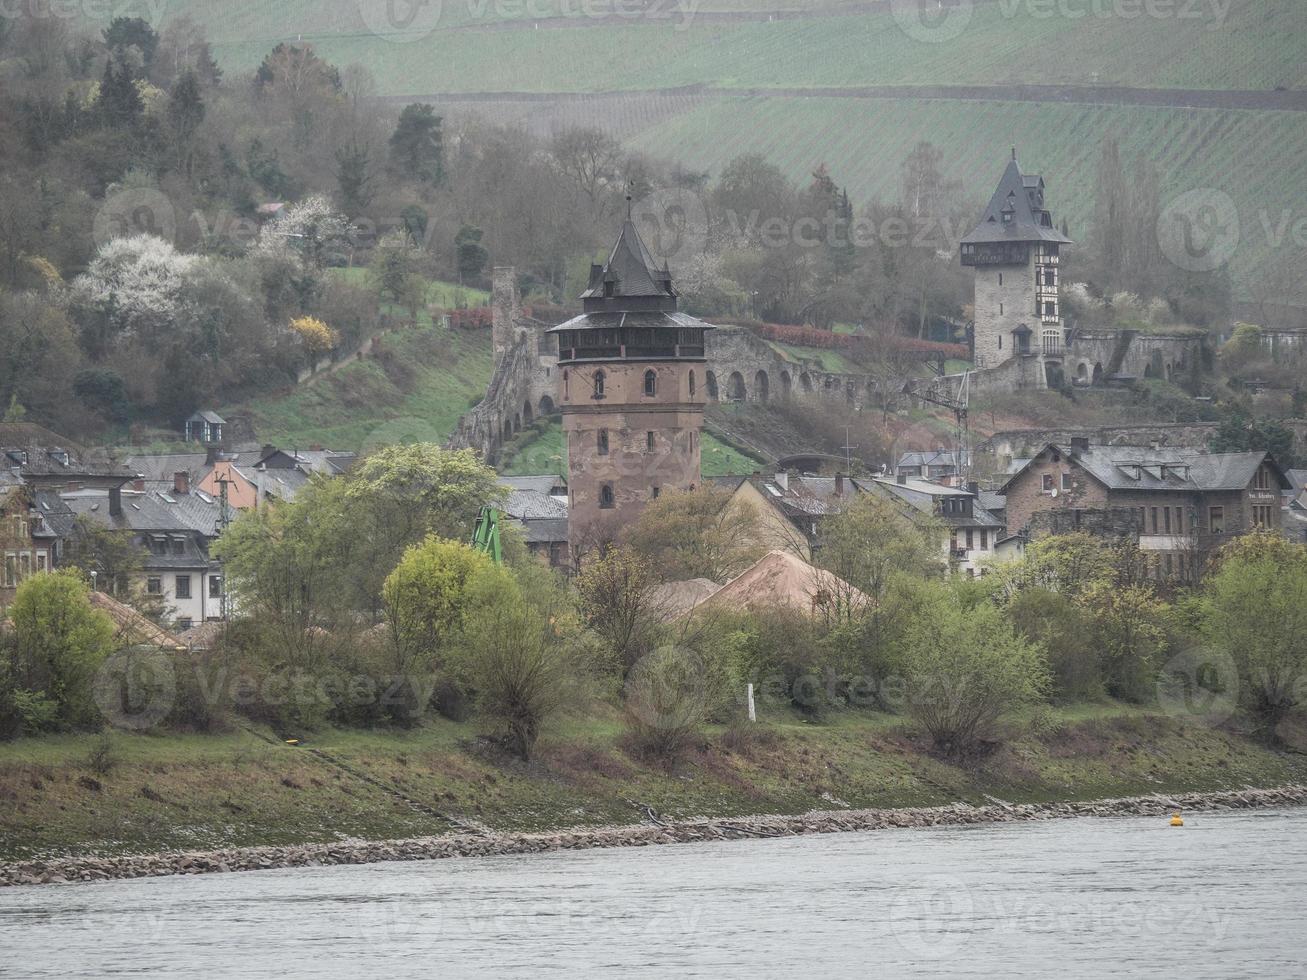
(1167,562)
(1050,308)
(599,384)
(567,387)
(650,384)
(1166,514)
(1000,278)
(154,585)
(1154,516)
(183,590)
(1000,341)
(602,442)
(42,561)
(185,623)
(1066,481)
(1261,516)
(215,586)
(1263,481)
(1179,520)
(1000,309)
(1048,482)
(971,540)
(691,382)
(606,496)
(655,493)
(649,441)
(1216,520)
(984,540)
(178,546)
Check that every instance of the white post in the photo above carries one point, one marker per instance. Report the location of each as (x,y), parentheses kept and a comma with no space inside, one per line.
(753,714)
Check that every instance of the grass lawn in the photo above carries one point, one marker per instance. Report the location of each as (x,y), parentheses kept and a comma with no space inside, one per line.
(162,792)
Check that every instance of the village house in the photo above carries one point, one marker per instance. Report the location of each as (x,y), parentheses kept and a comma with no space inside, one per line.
(44,460)
(176,567)
(1177,504)
(538,505)
(972,534)
(22,549)
(939,466)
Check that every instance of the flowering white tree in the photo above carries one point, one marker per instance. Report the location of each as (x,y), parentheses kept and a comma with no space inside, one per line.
(132,288)
(312,229)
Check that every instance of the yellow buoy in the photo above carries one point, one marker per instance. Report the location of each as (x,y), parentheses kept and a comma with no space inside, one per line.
(292,741)
(1177,820)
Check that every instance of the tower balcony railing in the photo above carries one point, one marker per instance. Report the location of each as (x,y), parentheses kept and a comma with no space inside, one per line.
(631,353)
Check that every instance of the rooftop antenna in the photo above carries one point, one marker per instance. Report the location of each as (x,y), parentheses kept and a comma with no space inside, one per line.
(848,451)
(630,186)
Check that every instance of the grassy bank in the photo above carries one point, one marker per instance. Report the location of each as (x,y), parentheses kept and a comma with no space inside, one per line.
(161,792)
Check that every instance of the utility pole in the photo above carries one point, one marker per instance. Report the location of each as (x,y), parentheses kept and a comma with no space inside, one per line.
(848,452)
(224,520)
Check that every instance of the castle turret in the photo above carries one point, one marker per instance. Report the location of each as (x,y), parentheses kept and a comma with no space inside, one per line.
(632,393)
(1014,250)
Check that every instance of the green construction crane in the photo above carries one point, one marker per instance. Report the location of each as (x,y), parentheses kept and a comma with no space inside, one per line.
(485,537)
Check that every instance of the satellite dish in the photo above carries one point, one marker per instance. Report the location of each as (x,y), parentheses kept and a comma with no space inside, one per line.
(1053,492)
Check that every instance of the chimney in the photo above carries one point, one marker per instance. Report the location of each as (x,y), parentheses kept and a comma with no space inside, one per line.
(181,482)
(139,485)
(211,455)
(1080,443)
(973,488)
(116,502)
(757,474)
(783,479)
(839,484)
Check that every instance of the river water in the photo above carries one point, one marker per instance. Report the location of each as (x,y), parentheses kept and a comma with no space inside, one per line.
(1222,897)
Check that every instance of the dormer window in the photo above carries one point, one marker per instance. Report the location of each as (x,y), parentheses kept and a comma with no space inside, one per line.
(608,288)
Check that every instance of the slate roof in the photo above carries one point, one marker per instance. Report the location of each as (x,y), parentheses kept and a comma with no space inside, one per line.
(160,468)
(935,457)
(632,271)
(545,483)
(213,418)
(30,451)
(922,494)
(1029,223)
(58,517)
(531,505)
(545,531)
(992,501)
(140,511)
(1163,469)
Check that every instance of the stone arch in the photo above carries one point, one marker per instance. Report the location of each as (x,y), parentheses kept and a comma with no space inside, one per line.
(761,386)
(546,406)
(805,383)
(517,422)
(1097,377)
(1148,370)
(1082,371)
(735,387)
(710,380)
(1168,372)
(527,413)
(507,432)
(787,385)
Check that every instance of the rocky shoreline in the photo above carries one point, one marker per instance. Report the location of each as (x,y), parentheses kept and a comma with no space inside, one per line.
(76,869)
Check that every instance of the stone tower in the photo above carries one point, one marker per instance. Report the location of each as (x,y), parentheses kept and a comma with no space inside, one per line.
(1014,250)
(631,387)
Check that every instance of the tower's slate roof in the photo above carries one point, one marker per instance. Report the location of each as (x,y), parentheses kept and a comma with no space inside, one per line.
(631,270)
(1031,221)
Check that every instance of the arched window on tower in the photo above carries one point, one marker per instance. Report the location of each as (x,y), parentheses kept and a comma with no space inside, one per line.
(650,384)
(603,442)
(691,382)
(606,496)
(599,384)
(567,388)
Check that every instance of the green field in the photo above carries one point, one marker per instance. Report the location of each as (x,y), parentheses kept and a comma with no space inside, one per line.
(415,393)
(1258,46)
(542,449)
(177,791)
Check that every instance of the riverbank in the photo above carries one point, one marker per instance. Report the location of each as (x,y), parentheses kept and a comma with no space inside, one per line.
(65,870)
(81,803)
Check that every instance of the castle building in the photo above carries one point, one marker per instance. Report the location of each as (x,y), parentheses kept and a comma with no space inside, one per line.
(1014,250)
(631,390)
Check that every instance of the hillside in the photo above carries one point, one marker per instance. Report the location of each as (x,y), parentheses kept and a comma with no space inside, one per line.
(1194,93)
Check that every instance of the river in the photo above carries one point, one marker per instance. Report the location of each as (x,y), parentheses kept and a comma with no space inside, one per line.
(1223,896)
